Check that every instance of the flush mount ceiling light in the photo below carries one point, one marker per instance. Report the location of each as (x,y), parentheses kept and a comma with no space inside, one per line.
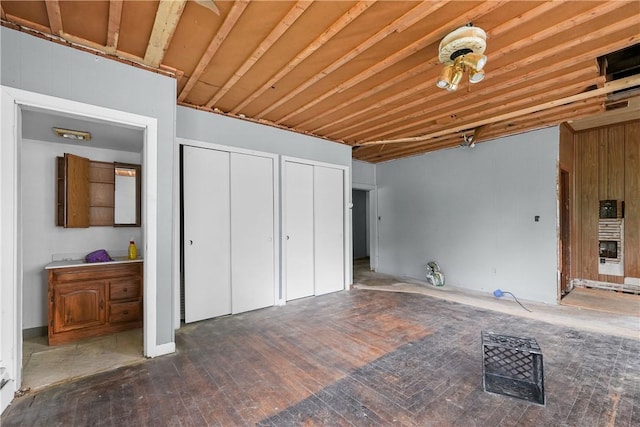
(77,135)
(462,50)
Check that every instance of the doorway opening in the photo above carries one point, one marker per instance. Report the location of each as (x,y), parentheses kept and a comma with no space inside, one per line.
(18,288)
(361,230)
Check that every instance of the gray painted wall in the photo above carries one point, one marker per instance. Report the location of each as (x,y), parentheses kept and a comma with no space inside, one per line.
(37,65)
(363,173)
(472,210)
(218,129)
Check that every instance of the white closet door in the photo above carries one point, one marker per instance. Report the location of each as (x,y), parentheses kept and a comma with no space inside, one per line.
(329,229)
(207,267)
(298,230)
(252,232)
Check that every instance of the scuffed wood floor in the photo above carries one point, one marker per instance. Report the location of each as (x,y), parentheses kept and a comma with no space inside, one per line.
(350,358)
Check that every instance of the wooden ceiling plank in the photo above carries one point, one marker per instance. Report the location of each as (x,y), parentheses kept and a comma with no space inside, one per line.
(504,99)
(55,19)
(531,15)
(541,56)
(422,9)
(113,32)
(167,19)
(285,23)
(230,20)
(608,88)
(336,27)
(403,53)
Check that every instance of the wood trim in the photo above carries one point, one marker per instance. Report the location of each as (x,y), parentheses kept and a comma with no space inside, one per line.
(55,19)
(414,47)
(113,31)
(234,14)
(167,18)
(2,15)
(422,10)
(294,13)
(337,26)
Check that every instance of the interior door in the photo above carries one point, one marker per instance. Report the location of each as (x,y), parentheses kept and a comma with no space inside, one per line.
(328,196)
(298,230)
(252,232)
(207,259)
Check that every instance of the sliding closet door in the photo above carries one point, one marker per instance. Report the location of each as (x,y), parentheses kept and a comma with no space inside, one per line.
(252,232)
(207,267)
(298,230)
(328,198)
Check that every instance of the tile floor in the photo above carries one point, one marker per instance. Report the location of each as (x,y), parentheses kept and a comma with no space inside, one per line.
(45,365)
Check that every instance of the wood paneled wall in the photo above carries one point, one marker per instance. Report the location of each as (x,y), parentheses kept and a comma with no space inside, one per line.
(606,166)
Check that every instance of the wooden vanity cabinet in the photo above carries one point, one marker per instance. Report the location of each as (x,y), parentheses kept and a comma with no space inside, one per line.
(94,299)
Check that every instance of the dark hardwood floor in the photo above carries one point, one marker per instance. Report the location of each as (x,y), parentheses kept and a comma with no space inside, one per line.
(350,358)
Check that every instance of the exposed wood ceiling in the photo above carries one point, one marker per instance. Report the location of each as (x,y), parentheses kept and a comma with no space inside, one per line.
(362,72)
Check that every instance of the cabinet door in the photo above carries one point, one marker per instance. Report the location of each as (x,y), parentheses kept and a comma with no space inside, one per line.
(79,305)
(73,182)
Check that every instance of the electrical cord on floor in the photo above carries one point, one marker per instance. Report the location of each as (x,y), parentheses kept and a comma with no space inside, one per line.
(499,293)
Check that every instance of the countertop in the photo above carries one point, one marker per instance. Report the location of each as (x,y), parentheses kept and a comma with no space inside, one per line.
(82,263)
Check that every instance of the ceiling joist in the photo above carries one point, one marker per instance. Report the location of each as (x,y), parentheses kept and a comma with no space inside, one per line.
(296,11)
(337,26)
(55,18)
(236,11)
(113,31)
(165,24)
(399,55)
(422,10)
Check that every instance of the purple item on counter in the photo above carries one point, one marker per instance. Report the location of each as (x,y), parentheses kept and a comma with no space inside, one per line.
(100,255)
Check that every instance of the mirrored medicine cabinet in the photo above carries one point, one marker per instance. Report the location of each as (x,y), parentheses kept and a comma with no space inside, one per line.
(94,193)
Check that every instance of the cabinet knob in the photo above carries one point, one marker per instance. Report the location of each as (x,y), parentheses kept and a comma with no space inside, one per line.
(190,242)
(126,312)
(124,290)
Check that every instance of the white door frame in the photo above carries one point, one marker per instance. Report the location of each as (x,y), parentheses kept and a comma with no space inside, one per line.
(11,102)
(347,205)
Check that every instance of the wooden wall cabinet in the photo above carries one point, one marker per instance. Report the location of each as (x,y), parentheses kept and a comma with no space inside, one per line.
(86,193)
(89,300)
